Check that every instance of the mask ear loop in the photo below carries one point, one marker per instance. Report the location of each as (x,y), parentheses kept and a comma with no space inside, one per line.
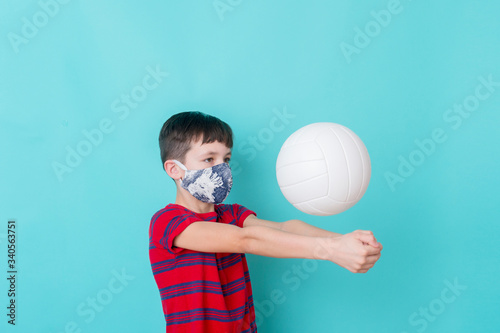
(180,165)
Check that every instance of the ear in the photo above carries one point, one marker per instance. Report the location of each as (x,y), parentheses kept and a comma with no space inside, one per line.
(173,170)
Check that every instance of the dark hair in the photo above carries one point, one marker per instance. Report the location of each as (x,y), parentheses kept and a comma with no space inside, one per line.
(183,128)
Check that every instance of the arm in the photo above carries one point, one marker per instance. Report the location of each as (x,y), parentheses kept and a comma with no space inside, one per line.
(356,251)
(255,239)
(293,226)
(348,251)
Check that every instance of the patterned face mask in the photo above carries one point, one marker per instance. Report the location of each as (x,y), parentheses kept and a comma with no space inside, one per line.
(210,185)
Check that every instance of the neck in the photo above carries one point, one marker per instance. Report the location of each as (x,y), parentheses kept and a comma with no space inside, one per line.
(191,203)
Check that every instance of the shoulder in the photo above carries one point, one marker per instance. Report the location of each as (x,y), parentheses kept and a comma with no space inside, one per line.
(170,211)
(230,208)
(235,212)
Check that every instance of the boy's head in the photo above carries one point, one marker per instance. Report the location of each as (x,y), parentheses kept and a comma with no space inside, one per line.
(181,130)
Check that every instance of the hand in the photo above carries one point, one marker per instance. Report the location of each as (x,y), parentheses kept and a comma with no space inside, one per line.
(357,251)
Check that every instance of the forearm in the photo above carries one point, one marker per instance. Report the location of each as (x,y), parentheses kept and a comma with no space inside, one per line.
(302,228)
(276,243)
(357,251)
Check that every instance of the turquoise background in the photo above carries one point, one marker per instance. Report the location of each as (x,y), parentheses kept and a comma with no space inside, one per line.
(246,62)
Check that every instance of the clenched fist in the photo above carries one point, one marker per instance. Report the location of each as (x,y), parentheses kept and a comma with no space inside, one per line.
(357,251)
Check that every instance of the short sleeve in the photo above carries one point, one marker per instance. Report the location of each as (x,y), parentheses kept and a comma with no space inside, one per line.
(241,214)
(165,227)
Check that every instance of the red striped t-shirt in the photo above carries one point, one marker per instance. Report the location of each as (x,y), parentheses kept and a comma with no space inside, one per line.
(200,292)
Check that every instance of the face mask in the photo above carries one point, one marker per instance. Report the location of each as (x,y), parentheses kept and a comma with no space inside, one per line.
(210,185)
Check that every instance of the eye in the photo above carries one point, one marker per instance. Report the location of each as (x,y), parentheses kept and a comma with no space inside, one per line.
(208,160)
(227,159)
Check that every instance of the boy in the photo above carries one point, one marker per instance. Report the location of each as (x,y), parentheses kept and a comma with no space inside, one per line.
(197,245)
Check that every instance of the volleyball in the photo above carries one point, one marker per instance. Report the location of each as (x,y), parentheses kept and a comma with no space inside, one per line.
(323,169)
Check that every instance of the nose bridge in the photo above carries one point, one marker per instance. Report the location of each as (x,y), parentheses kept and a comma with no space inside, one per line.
(219,160)
(221,166)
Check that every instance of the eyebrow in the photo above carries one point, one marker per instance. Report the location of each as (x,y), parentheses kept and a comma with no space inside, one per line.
(211,153)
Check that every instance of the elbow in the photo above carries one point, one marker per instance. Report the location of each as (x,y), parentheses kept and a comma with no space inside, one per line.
(289,225)
(247,240)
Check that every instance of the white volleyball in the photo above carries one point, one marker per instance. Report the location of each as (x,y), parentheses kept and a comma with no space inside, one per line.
(323,169)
